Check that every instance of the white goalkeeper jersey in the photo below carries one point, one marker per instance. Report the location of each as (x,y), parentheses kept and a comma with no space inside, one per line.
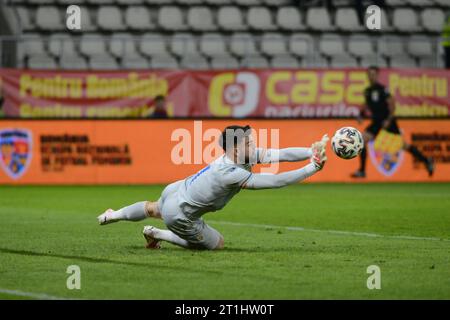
(211,188)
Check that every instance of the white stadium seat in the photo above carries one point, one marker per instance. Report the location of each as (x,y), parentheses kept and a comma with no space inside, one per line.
(92,44)
(194,62)
(23,15)
(212,44)
(48,18)
(41,62)
(32,44)
(429,62)
(201,19)
(102,62)
(164,62)
(254,61)
(405,19)
(318,19)
(420,46)
(110,18)
(343,61)
(72,62)
(259,18)
(347,20)
(315,61)
(224,62)
(138,18)
(390,46)
(134,62)
(301,44)
(171,18)
(183,44)
(153,45)
(402,62)
(360,45)
(420,3)
(61,44)
(433,19)
(242,44)
(122,44)
(289,18)
(373,60)
(331,45)
(273,44)
(285,62)
(230,18)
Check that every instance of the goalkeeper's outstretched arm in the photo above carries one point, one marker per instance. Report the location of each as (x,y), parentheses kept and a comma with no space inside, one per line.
(271,181)
(282,155)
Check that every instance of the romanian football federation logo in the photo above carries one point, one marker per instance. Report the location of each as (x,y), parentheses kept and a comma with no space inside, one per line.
(15,151)
(386,152)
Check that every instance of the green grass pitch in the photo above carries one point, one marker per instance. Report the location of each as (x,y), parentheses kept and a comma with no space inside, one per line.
(43,230)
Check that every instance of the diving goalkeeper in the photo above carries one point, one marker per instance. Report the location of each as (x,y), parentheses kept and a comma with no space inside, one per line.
(183,203)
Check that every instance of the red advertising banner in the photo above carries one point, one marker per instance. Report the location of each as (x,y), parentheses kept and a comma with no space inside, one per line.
(305,93)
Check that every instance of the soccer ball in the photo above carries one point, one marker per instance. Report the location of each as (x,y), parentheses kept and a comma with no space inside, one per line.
(347,142)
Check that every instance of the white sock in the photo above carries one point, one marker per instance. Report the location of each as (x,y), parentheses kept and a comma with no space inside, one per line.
(135,212)
(171,237)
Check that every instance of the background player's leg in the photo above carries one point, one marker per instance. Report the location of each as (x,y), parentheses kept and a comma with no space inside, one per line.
(420,156)
(361,173)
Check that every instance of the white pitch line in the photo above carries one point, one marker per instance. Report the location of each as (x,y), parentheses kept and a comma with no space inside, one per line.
(33,295)
(338,232)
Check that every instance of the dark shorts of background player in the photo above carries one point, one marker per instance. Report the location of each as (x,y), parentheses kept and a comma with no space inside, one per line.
(375,127)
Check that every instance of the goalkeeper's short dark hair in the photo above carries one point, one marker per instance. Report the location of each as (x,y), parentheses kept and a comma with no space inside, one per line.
(233,135)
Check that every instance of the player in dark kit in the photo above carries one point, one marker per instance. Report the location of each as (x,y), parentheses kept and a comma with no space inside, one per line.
(381,106)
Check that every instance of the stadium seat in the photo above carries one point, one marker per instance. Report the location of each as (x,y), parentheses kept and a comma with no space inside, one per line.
(212,44)
(153,45)
(134,62)
(254,61)
(429,62)
(23,16)
(432,19)
(402,62)
(41,61)
(248,2)
(405,20)
(40,1)
(194,62)
(420,3)
(289,18)
(60,44)
(87,23)
(110,18)
(420,46)
(122,44)
(390,46)
(343,61)
(224,62)
(48,18)
(171,18)
(273,44)
(242,44)
(102,62)
(230,18)
(138,18)
(301,44)
(92,44)
(444,3)
(285,62)
(347,20)
(32,44)
(259,18)
(360,45)
(183,44)
(331,45)
(396,3)
(318,19)
(315,61)
(72,62)
(201,19)
(164,62)
(373,60)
